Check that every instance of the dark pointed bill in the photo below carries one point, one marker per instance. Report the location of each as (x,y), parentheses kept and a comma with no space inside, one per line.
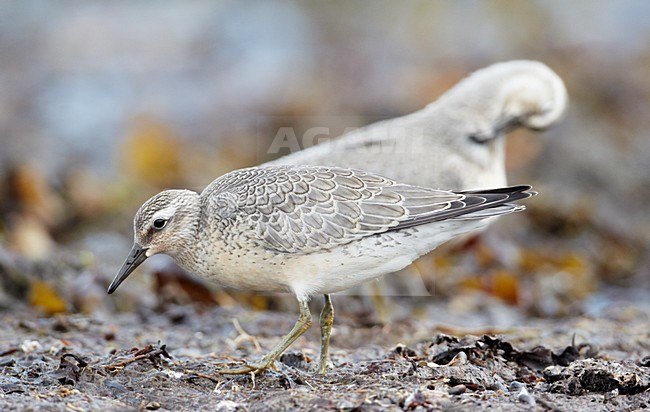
(137,255)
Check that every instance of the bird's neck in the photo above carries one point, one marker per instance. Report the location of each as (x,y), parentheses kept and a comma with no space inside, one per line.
(188,237)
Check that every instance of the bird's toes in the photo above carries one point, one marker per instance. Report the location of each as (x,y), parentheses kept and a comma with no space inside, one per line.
(255,368)
(321,369)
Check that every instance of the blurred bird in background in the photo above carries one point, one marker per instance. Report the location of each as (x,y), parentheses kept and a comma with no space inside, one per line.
(457,142)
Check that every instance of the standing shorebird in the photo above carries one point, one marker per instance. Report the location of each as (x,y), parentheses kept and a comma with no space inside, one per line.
(458,140)
(305,230)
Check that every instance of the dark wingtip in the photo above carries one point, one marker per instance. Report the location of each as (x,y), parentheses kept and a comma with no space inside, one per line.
(513,193)
(500,190)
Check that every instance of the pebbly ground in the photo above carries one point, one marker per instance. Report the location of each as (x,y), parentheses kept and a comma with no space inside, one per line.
(165,359)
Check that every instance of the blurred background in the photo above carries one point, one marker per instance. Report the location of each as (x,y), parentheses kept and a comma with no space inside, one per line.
(103,104)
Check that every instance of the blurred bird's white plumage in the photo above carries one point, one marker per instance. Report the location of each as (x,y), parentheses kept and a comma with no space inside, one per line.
(457,141)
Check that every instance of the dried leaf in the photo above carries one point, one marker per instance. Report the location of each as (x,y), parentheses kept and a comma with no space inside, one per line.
(173,284)
(260,302)
(44,297)
(87,196)
(153,153)
(472,283)
(29,237)
(598,375)
(502,284)
(537,359)
(28,186)
(150,352)
(505,285)
(69,372)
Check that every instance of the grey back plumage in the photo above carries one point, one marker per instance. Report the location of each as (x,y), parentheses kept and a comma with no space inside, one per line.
(305,209)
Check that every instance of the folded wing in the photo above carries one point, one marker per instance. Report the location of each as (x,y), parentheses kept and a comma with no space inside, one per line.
(304,209)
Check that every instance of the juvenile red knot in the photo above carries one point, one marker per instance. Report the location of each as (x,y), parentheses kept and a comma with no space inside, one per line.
(307,231)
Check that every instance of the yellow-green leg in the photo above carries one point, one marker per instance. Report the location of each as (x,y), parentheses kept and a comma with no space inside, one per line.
(326,321)
(301,326)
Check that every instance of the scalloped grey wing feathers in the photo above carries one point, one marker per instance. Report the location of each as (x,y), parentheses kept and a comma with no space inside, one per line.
(304,209)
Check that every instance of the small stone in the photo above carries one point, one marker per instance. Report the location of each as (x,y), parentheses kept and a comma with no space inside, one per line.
(515,385)
(30,346)
(457,390)
(152,406)
(227,406)
(522,395)
(345,405)
(458,360)
(296,360)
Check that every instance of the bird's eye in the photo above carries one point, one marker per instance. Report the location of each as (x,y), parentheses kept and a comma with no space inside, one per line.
(159,223)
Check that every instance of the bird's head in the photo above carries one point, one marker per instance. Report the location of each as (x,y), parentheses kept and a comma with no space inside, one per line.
(536,97)
(499,98)
(166,223)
